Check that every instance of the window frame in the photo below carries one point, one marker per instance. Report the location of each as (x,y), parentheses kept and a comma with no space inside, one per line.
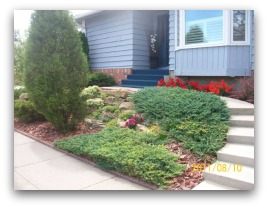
(227,31)
(247,28)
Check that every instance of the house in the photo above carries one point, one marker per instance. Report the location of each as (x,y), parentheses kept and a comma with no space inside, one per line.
(140,47)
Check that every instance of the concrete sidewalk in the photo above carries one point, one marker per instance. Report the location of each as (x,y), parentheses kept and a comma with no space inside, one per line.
(39,167)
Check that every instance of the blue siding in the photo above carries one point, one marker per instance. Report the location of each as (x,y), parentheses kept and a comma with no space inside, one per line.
(252,43)
(213,61)
(171,40)
(141,22)
(110,38)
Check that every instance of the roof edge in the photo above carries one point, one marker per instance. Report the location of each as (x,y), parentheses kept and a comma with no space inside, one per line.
(83,16)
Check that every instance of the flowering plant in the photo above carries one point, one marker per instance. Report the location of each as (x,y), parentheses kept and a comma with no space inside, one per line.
(219,88)
(133,121)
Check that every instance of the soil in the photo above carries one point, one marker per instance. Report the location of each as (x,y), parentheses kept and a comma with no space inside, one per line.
(192,175)
(45,132)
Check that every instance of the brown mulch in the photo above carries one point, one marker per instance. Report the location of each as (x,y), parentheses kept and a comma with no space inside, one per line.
(191,177)
(45,132)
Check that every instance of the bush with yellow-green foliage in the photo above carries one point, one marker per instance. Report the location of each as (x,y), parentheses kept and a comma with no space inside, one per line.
(130,152)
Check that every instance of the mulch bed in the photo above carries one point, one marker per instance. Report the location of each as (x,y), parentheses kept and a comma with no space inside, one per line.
(46,133)
(190,178)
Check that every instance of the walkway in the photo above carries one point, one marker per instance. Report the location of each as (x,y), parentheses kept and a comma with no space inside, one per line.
(39,167)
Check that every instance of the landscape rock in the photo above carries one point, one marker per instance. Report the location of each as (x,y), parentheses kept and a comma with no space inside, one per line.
(117,93)
(140,127)
(92,124)
(126,106)
(106,116)
(113,100)
(120,123)
(24,96)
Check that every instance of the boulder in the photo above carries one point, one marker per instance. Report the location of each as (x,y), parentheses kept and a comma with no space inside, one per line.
(117,93)
(107,116)
(140,127)
(126,106)
(94,124)
(120,123)
(24,96)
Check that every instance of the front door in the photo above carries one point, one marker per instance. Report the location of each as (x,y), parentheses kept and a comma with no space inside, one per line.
(163,33)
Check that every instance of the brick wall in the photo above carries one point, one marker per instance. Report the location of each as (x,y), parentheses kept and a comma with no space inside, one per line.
(117,74)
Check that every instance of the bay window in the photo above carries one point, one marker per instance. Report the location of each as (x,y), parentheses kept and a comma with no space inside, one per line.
(204,28)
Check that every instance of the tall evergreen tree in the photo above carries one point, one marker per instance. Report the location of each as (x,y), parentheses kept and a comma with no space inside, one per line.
(55,68)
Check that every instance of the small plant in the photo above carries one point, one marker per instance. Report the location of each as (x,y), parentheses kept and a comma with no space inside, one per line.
(100,79)
(106,113)
(91,92)
(26,112)
(133,121)
(245,91)
(95,103)
(111,108)
(112,123)
(126,115)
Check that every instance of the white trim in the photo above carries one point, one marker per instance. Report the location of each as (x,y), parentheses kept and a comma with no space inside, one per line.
(227,32)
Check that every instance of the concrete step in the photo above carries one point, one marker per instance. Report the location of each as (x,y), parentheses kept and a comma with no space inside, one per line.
(152,71)
(242,111)
(144,83)
(237,154)
(238,107)
(242,179)
(133,86)
(240,135)
(145,77)
(242,121)
(208,185)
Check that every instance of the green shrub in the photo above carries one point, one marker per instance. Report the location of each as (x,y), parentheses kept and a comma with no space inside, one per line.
(55,68)
(111,108)
(125,115)
(85,46)
(106,113)
(18,92)
(26,111)
(100,79)
(172,107)
(91,92)
(112,123)
(95,103)
(127,151)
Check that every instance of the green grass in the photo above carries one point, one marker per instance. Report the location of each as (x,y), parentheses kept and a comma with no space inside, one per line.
(130,152)
(198,119)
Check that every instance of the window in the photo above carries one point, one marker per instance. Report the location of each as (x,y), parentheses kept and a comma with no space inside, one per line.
(207,28)
(239,26)
(203,26)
